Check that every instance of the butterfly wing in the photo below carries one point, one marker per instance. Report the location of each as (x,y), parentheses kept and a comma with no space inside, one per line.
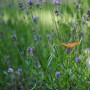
(71,45)
(64,44)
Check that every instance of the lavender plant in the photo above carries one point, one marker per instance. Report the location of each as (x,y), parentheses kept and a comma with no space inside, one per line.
(31,56)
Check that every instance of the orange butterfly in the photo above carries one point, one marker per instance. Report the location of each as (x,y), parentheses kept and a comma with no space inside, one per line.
(71,45)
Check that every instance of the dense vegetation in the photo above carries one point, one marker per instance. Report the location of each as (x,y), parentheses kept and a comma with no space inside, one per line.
(32,56)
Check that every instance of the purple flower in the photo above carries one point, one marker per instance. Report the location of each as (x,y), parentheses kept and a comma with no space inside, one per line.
(68,50)
(21,6)
(88,12)
(55,1)
(57,74)
(19,70)
(10,70)
(35,19)
(30,49)
(37,3)
(86,19)
(30,2)
(78,60)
